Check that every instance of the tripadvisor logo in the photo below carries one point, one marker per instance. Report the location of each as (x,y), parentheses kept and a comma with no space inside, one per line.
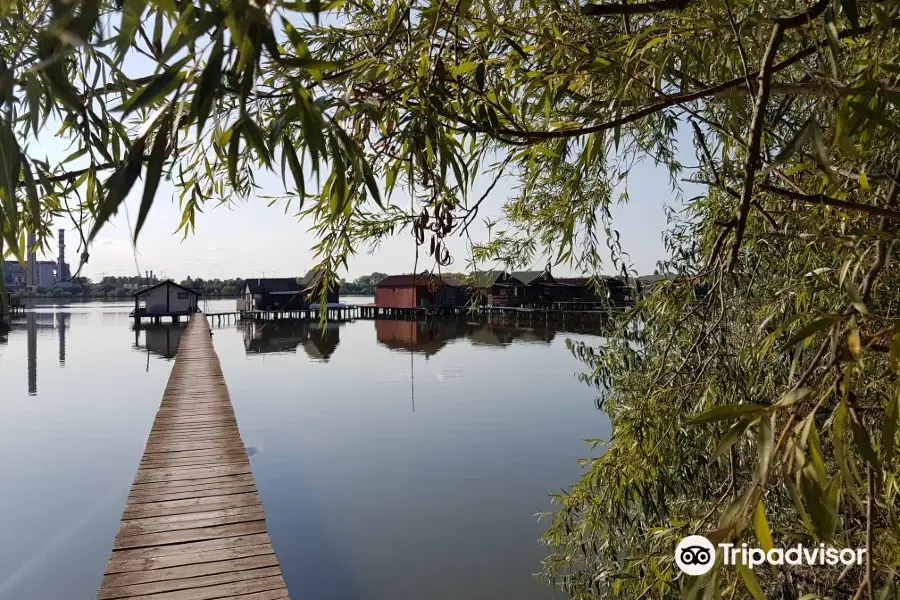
(696,555)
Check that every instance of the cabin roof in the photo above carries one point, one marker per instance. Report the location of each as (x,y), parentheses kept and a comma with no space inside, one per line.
(529,277)
(411,279)
(166,282)
(615,282)
(486,279)
(273,285)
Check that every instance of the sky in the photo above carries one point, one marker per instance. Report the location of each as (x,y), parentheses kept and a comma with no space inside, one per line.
(254,240)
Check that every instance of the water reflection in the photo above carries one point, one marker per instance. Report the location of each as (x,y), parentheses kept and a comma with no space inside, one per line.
(62,324)
(455,486)
(161,340)
(429,338)
(264,337)
(33,323)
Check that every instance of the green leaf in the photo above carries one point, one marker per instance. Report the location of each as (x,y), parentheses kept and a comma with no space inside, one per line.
(154,172)
(851,11)
(727,411)
(234,144)
(750,582)
(815,452)
(308,63)
(792,397)
(296,168)
(876,117)
(256,139)
(157,89)
(34,203)
(761,526)
(808,330)
(132,11)
(118,186)
(765,442)
(34,94)
(889,437)
(864,182)
(371,184)
(10,165)
(855,298)
(208,86)
(734,433)
(863,443)
(798,141)
(466,67)
(62,88)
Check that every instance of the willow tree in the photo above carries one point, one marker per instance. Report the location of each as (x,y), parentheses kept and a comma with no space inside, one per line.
(763,411)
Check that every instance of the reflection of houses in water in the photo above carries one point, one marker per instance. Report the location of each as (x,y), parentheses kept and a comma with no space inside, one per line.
(265,337)
(161,340)
(499,335)
(429,337)
(426,337)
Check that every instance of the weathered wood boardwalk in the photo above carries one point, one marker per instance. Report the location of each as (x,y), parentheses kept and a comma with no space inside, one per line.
(193,526)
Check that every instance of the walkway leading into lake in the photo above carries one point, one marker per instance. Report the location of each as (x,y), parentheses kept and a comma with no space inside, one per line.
(193,526)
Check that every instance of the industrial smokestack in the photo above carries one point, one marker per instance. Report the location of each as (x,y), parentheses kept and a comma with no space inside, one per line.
(31,276)
(61,274)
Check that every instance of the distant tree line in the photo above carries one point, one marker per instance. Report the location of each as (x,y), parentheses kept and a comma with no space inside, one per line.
(112,286)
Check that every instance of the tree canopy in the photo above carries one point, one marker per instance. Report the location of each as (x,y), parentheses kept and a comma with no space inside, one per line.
(767,412)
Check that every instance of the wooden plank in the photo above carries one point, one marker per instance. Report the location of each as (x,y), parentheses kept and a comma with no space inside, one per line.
(164,496)
(190,505)
(188,549)
(208,518)
(239,590)
(190,473)
(199,483)
(234,565)
(189,583)
(188,535)
(193,527)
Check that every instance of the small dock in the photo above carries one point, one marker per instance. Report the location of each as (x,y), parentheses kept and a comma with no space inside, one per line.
(193,526)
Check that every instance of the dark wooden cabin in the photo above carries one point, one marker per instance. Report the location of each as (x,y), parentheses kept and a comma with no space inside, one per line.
(580,289)
(422,290)
(495,288)
(283,293)
(310,284)
(537,288)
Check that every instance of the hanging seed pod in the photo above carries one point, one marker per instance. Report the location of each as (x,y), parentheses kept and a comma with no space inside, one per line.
(431,249)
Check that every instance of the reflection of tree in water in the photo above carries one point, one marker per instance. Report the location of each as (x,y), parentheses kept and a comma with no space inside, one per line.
(265,337)
(504,335)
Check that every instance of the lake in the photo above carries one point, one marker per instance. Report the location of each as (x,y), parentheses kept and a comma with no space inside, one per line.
(394,459)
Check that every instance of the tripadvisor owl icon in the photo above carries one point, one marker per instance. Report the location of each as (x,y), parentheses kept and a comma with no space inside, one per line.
(695,555)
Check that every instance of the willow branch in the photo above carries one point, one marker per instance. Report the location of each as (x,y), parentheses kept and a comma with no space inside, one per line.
(605,10)
(876,211)
(755,138)
(881,248)
(685,98)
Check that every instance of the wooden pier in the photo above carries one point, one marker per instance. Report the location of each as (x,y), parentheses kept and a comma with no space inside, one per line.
(193,526)
(558,312)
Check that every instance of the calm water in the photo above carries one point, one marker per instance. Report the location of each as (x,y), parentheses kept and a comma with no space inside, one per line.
(394,460)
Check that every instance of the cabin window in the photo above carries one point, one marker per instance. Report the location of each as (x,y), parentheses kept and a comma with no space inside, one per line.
(182,295)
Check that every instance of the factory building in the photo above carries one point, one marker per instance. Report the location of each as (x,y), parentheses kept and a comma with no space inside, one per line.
(37,273)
